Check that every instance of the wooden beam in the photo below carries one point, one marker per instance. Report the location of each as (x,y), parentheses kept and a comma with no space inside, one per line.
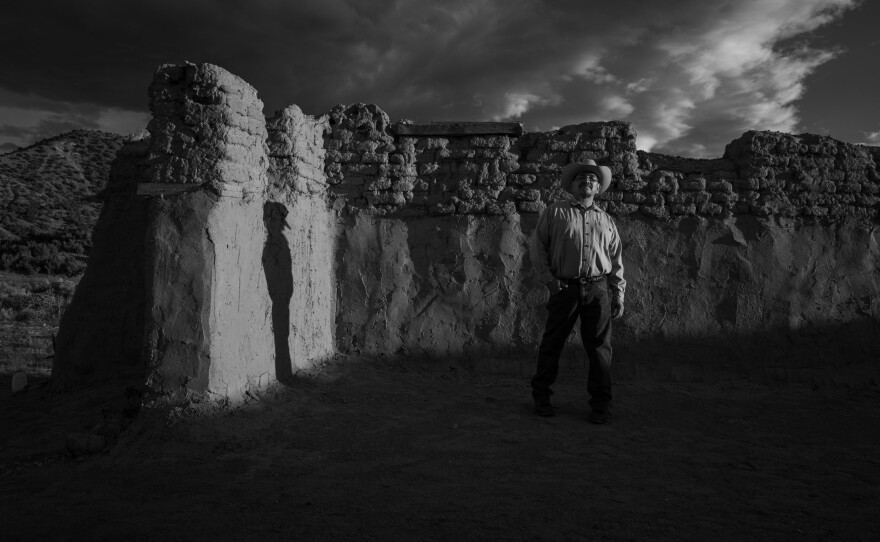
(459,129)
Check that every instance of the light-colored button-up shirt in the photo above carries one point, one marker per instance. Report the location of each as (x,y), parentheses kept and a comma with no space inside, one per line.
(571,241)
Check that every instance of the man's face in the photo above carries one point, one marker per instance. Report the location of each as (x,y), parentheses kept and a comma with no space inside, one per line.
(585,184)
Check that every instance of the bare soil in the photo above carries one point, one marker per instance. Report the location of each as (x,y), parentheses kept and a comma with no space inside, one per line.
(380,450)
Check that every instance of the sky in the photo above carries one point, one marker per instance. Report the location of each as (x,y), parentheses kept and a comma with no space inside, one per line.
(691,75)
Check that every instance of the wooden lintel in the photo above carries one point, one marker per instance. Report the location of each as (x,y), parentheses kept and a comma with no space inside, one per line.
(460,129)
(165,189)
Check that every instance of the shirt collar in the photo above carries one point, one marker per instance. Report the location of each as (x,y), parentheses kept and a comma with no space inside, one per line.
(576,203)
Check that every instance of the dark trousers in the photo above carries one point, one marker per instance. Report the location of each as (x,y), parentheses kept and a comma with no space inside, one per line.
(591,304)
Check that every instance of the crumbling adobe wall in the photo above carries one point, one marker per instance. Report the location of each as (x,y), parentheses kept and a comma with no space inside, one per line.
(769,175)
(486,174)
(432,254)
(754,264)
(212,267)
(208,324)
(174,292)
(299,251)
(102,330)
(766,174)
(254,248)
(258,274)
(747,297)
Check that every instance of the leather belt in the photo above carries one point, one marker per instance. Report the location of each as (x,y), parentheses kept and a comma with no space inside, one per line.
(584,279)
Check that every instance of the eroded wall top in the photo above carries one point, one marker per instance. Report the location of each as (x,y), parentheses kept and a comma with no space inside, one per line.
(373,168)
(207,129)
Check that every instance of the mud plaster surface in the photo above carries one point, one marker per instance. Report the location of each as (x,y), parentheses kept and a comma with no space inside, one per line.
(705,300)
(209,296)
(374,450)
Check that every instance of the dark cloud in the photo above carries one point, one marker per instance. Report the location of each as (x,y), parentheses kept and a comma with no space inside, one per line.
(15,131)
(105,52)
(49,126)
(691,75)
(8,147)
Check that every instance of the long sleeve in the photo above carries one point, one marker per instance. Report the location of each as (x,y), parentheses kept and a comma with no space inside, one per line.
(615,254)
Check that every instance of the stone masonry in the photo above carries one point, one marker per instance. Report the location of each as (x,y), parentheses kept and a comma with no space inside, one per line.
(765,174)
(234,250)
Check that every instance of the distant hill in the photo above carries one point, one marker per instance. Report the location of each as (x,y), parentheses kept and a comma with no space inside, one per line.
(49,196)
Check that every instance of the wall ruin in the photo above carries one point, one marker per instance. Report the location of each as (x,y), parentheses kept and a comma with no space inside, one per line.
(762,263)
(299,255)
(268,245)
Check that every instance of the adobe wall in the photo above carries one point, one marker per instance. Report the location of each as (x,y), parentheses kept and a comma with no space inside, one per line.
(766,174)
(268,245)
(762,263)
(102,330)
(212,266)
(300,250)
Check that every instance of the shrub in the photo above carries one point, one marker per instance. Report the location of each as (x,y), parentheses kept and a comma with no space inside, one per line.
(27,315)
(16,302)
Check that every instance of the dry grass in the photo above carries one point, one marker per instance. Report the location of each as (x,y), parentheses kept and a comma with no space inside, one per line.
(30,309)
(31,352)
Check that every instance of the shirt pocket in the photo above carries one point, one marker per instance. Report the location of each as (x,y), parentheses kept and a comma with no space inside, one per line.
(606,233)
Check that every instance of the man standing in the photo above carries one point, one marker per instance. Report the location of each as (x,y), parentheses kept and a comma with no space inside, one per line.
(577,253)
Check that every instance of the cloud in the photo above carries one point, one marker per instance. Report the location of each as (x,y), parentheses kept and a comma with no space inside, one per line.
(589,67)
(616,107)
(31,118)
(635,87)
(872,139)
(34,125)
(121,121)
(691,75)
(733,73)
(7,147)
(515,104)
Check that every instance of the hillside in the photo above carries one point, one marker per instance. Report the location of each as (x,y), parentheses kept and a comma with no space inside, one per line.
(49,193)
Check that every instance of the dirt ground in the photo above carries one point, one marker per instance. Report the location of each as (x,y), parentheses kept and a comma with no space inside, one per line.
(380,450)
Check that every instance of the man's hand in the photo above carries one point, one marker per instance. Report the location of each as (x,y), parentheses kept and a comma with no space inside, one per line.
(555,286)
(616,308)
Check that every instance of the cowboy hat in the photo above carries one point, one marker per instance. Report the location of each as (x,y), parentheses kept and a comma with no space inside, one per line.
(571,170)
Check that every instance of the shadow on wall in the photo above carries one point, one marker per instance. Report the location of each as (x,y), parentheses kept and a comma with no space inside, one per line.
(278,267)
(102,329)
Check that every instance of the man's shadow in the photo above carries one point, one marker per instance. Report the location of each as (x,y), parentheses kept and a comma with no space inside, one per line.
(278,267)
